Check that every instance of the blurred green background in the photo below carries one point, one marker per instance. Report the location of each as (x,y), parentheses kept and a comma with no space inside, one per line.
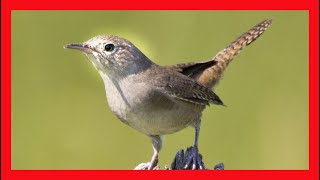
(60,117)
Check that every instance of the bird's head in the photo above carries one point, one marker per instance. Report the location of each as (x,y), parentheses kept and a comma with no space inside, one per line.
(113,55)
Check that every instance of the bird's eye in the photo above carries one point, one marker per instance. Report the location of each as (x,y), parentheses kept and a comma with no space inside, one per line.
(109,47)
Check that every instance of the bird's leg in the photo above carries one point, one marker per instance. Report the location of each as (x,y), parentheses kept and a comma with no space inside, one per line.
(154,160)
(195,159)
(157,145)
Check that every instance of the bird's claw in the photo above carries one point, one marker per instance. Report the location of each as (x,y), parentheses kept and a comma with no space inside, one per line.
(146,166)
(142,166)
(194,160)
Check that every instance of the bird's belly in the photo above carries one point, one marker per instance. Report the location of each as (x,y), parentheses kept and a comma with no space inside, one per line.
(149,111)
(166,118)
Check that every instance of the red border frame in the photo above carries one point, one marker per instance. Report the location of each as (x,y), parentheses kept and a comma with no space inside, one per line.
(7,7)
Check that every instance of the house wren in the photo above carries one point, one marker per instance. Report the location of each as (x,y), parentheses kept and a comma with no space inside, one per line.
(158,100)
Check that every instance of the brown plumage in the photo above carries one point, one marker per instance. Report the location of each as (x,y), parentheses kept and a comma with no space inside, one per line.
(157,100)
(208,73)
(176,85)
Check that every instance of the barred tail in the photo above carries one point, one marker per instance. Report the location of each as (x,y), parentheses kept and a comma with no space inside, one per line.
(212,75)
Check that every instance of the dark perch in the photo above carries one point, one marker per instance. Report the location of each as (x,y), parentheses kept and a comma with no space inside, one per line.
(179,162)
(181,158)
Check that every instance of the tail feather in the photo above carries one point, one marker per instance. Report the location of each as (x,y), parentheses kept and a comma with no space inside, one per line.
(210,76)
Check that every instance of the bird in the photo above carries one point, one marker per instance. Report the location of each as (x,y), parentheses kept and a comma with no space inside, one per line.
(157,100)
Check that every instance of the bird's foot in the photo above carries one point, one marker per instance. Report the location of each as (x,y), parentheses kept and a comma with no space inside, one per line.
(194,159)
(146,166)
(191,159)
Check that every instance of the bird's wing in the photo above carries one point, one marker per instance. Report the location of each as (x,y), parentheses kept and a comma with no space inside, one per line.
(208,73)
(191,69)
(178,86)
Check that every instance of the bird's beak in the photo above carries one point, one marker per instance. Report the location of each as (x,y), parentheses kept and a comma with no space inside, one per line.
(81,47)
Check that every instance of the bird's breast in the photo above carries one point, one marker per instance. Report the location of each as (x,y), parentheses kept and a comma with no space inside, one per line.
(147,110)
